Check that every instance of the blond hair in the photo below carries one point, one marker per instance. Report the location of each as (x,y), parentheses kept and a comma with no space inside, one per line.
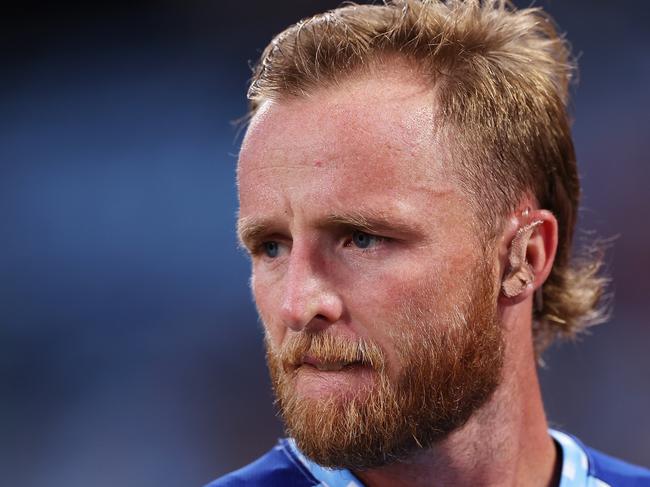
(502,78)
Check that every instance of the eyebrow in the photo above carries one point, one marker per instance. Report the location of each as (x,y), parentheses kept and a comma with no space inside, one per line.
(373,221)
(251,229)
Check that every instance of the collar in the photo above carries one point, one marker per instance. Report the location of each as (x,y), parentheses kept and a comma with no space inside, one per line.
(328,477)
(575,466)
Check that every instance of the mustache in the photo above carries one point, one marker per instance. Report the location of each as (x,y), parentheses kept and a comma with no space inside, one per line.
(325,346)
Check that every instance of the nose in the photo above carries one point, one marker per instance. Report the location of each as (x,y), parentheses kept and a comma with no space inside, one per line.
(310,301)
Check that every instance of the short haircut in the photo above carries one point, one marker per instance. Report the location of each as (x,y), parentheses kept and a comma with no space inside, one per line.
(501,77)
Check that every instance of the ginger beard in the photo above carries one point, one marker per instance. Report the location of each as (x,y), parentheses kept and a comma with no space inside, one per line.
(450,363)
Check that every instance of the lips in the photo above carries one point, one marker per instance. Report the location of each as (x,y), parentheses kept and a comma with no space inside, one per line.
(327,366)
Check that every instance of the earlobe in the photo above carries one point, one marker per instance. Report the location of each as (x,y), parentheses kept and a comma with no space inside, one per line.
(520,274)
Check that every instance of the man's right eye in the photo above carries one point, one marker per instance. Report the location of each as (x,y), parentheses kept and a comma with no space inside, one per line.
(270,248)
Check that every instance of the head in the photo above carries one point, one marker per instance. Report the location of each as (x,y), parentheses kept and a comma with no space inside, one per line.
(398,157)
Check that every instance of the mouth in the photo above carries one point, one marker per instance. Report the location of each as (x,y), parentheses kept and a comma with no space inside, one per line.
(328,366)
(326,376)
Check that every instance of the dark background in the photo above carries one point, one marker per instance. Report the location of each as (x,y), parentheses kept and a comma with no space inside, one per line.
(130,352)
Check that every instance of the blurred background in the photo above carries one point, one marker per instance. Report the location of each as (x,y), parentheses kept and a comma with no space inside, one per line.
(130,352)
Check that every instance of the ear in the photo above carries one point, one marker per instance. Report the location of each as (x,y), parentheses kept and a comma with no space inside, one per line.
(531,241)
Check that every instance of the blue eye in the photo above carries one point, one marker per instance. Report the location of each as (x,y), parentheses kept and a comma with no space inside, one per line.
(270,249)
(362,239)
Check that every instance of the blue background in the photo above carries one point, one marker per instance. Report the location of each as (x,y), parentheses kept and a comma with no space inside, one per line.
(130,352)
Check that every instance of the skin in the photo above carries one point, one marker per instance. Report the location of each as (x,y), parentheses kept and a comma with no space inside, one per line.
(365,157)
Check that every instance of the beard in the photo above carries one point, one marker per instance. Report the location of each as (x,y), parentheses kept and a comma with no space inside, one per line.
(450,363)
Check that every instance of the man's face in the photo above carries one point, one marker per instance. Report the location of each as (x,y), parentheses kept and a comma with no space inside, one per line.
(377,296)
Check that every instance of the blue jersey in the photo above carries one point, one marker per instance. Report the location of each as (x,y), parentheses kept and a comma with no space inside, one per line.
(286,466)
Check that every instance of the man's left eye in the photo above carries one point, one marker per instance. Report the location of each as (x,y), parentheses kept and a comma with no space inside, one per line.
(364,240)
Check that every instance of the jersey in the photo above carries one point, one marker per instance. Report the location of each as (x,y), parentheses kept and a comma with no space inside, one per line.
(286,466)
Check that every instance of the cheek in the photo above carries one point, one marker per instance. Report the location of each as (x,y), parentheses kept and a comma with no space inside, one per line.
(268,302)
(395,290)
(403,299)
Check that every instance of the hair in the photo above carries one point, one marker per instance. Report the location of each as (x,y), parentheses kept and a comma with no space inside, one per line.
(502,77)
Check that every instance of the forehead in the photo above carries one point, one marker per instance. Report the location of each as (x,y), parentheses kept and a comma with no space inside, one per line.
(373,137)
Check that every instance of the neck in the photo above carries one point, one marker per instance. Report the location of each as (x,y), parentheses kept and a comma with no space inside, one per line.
(505,443)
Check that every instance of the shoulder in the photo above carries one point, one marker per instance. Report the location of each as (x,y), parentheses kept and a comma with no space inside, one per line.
(615,472)
(277,468)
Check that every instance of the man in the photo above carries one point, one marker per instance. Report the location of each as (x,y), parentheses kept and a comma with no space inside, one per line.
(408,194)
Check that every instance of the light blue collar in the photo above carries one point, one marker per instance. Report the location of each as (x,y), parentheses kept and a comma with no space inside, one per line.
(329,477)
(575,466)
(575,463)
